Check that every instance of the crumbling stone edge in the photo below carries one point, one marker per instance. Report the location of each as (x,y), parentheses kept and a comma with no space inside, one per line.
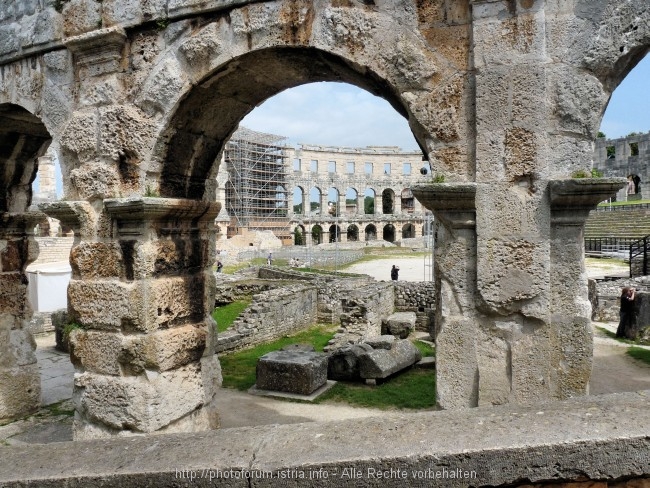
(595,438)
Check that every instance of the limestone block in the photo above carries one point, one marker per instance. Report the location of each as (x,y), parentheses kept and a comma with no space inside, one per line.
(8,39)
(48,27)
(163,350)
(199,50)
(79,136)
(531,375)
(400,324)
(97,260)
(20,390)
(381,342)
(14,254)
(457,377)
(13,294)
(81,16)
(298,372)
(125,131)
(162,87)
(95,351)
(575,352)
(493,359)
(168,301)
(211,376)
(381,363)
(102,304)
(343,363)
(139,403)
(119,12)
(96,180)
(578,101)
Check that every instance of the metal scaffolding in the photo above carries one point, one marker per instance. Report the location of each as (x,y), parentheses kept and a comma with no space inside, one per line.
(257,197)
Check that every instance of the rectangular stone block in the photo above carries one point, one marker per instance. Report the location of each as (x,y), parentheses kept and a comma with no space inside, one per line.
(144,403)
(13,294)
(107,305)
(301,372)
(91,260)
(163,350)
(20,391)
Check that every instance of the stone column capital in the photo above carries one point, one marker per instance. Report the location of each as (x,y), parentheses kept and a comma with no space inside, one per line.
(18,224)
(98,51)
(454,204)
(572,200)
(134,215)
(78,215)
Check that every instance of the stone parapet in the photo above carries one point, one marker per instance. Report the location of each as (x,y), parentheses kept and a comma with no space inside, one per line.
(581,442)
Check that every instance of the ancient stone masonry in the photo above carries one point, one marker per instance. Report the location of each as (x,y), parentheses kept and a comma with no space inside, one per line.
(321,193)
(138,98)
(624,156)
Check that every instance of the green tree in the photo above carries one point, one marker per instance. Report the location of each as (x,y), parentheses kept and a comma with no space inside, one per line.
(369,205)
(297,237)
(601,135)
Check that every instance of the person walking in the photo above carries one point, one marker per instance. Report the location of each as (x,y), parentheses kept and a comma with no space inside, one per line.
(627,315)
(394,273)
(269,260)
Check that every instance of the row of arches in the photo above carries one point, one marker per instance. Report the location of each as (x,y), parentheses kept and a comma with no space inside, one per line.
(353,232)
(330,203)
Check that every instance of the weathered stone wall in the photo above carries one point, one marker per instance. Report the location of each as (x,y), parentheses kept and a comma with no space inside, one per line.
(623,162)
(418,297)
(609,296)
(504,98)
(361,313)
(271,315)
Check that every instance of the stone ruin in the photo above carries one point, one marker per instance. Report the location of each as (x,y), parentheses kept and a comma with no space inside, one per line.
(505,98)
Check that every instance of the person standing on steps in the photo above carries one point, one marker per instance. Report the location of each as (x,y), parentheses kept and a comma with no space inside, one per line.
(394,273)
(628,319)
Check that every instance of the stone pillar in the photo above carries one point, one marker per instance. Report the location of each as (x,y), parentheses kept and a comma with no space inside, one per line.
(571,334)
(379,208)
(458,336)
(397,204)
(46,179)
(360,204)
(20,381)
(142,298)
(323,205)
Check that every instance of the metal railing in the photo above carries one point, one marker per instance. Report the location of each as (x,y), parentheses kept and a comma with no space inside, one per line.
(639,257)
(608,244)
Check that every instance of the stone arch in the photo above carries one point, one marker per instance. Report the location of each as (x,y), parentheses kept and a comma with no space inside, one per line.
(371,232)
(335,233)
(299,236)
(333,199)
(23,138)
(298,200)
(369,201)
(317,234)
(408,231)
(408,201)
(315,201)
(351,201)
(388,233)
(388,201)
(353,233)
(197,130)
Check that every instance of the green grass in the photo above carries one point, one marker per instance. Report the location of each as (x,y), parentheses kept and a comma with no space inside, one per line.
(639,353)
(238,368)
(411,389)
(425,349)
(622,204)
(612,335)
(605,262)
(227,314)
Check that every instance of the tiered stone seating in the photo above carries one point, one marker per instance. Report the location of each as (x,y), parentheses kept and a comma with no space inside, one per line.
(634,223)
